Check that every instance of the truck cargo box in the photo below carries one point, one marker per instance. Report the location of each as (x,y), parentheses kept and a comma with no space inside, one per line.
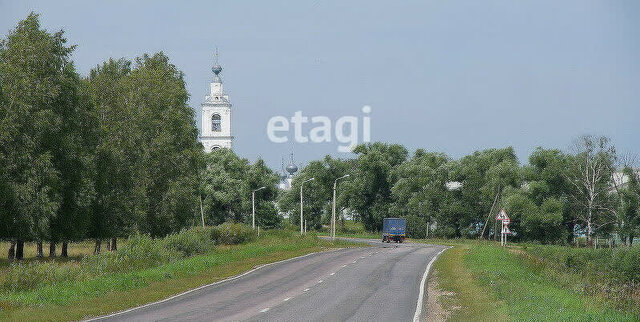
(394,229)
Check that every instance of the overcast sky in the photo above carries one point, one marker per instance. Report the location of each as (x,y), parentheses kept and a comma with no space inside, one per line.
(449,76)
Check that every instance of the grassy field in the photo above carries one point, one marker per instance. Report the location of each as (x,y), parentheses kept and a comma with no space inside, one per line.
(488,282)
(114,292)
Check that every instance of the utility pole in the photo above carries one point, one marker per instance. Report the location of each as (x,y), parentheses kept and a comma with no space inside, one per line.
(302,230)
(333,212)
(253,207)
(201,212)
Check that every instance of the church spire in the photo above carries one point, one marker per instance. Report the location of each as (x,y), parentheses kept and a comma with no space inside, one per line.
(216,69)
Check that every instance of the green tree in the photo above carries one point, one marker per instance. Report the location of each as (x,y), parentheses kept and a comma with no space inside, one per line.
(420,193)
(226,184)
(116,210)
(368,192)
(629,225)
(37,123)
(590,174)
(546,177)
(484,175)
(318,194)
(167,137)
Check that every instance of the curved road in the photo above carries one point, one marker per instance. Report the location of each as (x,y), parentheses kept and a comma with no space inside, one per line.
(378,283)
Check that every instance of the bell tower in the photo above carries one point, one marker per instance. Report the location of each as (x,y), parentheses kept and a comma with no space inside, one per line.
(216,114)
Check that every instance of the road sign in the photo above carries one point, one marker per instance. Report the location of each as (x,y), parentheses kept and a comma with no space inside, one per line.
(506,221)
(502,215)
(505,229)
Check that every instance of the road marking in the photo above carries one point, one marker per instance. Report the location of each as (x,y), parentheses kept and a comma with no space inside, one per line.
(288,298)
(416,316)
(361,256)
(355,261)
(334,273)
(264,310)
(345,265)
(320,281)
(306,289)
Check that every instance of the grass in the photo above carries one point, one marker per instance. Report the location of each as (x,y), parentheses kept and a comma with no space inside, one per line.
(114,292)
(490,283)
(468,300)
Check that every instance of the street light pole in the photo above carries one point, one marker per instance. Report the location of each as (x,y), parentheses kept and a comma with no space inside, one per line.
(301,206)
(253,207)
(333,212)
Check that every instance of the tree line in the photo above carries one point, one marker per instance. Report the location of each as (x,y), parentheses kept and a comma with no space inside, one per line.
(552,199)
(109,154)
(116,152)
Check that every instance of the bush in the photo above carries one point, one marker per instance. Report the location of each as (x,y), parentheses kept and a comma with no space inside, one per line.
(620,265)
(232,234)
(24,276)
(191,241)
(140,252)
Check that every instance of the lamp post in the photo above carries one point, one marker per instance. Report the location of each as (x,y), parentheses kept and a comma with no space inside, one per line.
(253,207)
(333,212)
(301,206)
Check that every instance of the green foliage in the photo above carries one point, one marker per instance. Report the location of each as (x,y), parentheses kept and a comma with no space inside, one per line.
(318,194)
(192,241)
(140,252)
(24,276)
(227,183)
(231,234)
(368,192)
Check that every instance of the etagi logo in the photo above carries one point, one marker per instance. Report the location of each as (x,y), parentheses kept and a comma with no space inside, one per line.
(346,129)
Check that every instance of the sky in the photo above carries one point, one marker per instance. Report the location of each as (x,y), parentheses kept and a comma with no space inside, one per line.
(448,76)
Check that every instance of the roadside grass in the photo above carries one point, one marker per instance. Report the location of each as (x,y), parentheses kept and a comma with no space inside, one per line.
(115,292)
(490,283)
(467,301)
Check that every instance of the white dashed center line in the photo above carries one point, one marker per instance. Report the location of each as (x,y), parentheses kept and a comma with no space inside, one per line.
(334,273)
(288,298)
(345,265)
(306,289)
(320,281)
(264,310)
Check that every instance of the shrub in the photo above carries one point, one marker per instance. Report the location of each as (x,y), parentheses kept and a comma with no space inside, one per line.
(191,241)
(232,234)
(24,276)
(140,252)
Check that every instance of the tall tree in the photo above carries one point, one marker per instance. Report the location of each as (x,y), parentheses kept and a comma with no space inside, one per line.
(226,184)
(590,177)
(167,137)
(420,192)
(484,175)
(116,210)
(39,89)
(368,193)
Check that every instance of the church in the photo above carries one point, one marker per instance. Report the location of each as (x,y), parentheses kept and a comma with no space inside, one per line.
(216,115)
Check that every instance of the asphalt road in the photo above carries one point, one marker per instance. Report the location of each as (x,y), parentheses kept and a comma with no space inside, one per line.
(378,283)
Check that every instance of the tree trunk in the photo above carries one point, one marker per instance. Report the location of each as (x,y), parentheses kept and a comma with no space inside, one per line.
(52,249)
(65,246)
(39,252)
(114,244)
(19,249)
(12,250)
(96,249)
(631,237)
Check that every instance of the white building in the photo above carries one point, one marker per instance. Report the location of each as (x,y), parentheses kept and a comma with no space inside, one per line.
(216,115)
